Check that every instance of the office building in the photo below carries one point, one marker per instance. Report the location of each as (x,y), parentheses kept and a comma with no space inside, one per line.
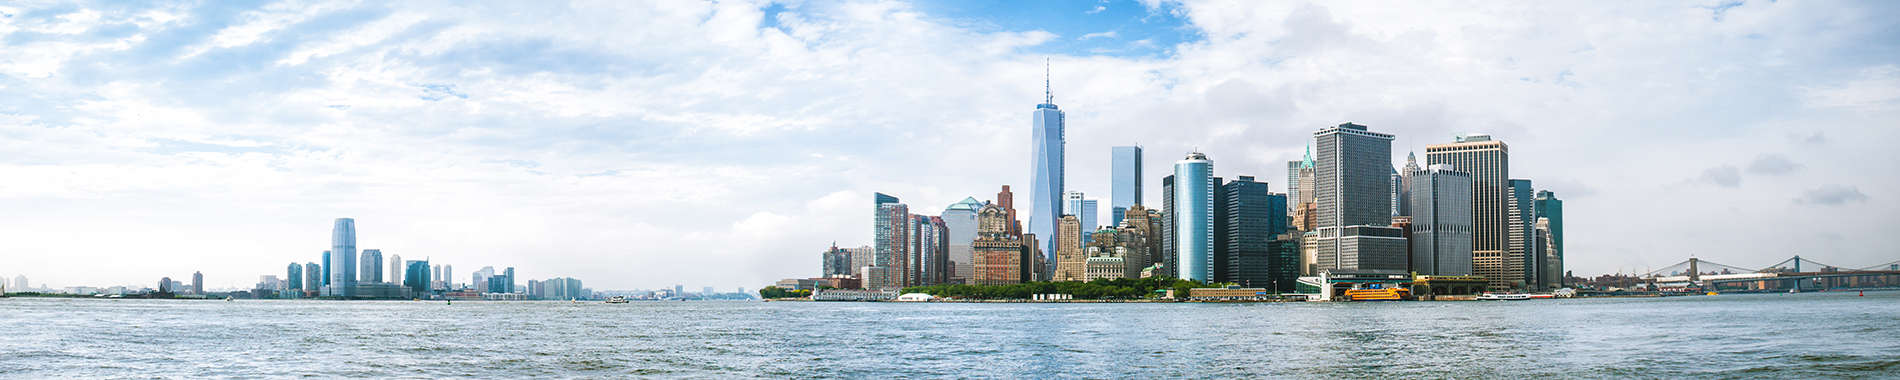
(293,276)
(1550,269)
(1046,171)
(1193,216)
(891,236)
(342,263)
(1403,194)
(1522,259)
(959,221)
(197,283)
(925,256)
(1551,208)
(1248,217)
(1140,232)
(419,279)
(1353,193)
(326,272)
(1070,260)
(860,259)
(395,269)
(312,278)
(1170,258)
(1075,203)
(837,262)
(372,262)
(1488,162)
(1441,221)
(1124,180)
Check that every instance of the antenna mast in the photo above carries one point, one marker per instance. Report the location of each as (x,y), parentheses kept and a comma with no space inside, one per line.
(1048,95)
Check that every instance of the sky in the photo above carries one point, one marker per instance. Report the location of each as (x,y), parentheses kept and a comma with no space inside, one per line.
(638,145)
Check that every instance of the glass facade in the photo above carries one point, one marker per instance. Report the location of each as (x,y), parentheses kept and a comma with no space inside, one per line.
(1046,175)
(1352,185)
(1124,178)
(1441,221)
(1193,215)
(342,263)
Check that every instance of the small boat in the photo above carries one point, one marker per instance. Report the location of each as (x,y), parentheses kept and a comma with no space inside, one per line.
(1794,290)
(229,299)
(1503,297)
(617,299)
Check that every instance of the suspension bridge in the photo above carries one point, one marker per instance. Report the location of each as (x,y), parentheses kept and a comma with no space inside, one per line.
(1794,273)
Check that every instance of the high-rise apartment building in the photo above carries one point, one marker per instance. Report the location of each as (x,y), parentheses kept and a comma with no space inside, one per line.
(342,263)
(1193,215)
(999,255)
(197,283)
(1353,193)
(1170,258)
(1488,162)
(395,269)
(372,262)
(837,262)
(1069,258)
(312,278)
(293,278)
(860,259)
(1046,171)
(1124,179)
(959,221)
(419,278)
(926,257)
(1441,221)
(891,243)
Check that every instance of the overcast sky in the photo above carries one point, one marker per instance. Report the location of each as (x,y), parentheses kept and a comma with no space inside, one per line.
(636,144)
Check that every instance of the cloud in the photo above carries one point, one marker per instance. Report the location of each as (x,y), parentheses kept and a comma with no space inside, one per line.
(1774,163)
(1816,138)
(1090,36)
(1831,194)
(1724,176)
(1098,8)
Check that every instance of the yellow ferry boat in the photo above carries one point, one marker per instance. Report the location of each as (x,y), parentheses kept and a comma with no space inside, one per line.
(1386,294)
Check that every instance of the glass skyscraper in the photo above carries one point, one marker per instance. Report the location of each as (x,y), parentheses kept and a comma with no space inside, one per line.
(959,221)
(1046,175)
(1193,214)
(342,263)
(1352,184)
(1124,178)
(1441,221)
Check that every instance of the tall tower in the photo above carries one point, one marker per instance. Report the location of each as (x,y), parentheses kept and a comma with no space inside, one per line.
(1046,176)
(1522,258)
(1353,190)
(891,236)
(959,222)
(1193,216)
(1124,179)
(294,278)
(1489,163)
(1552,209)
(395,269)
(342,264)
(1404,184)
(198,283)
(1441,221)
(312,278)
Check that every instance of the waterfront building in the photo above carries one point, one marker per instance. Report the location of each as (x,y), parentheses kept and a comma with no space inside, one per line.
(1193,216)
(342,263)
(1046,170)
(1124,179)
(1441,222)
(312,279)
(836,262)
(1522,259)
(890,233)
(925,255)
(860,259)
(1549,207)
(1353,198)
(372,262)
(418,278)
(197,283)
(293,276)
(1488,162)
(1247,218)
(165,285)
(959,222)
(1105,266)
(1070,260)
(395,269)
(999,255)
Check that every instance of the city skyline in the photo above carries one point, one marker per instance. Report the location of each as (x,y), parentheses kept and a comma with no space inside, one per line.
(224,138)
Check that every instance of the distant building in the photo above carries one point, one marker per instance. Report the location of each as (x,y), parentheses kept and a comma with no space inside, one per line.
(1124,178)
(372,262)
(1522,258)
(959,222)
(197,283)
(1106,266)
(1352,186)
(395,269)
(312,278)
(418,278)
(837,261)
(1139,231)
(999,255)
(1070,261)
(1192,214)
(1046,173)
(1075,203)
(1550,208)
(1488,162)
(1247,218)
(891,235)
(293,277)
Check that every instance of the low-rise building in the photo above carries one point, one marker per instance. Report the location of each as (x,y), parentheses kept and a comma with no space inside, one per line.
(854,295)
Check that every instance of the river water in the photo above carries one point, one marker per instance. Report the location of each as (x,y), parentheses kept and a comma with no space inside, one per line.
(1809,335)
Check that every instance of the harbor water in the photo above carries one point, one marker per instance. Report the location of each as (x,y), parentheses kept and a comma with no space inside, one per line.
(1807,335)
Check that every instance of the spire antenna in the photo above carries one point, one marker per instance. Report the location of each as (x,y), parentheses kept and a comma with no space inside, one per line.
(1048,95)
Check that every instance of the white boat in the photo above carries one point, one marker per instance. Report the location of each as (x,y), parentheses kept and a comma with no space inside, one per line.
(1503,297)
(617,299)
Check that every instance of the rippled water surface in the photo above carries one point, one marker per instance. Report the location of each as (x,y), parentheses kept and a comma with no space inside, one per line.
(1810,335)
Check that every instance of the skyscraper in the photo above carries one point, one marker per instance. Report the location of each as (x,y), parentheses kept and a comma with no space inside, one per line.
(1551,208)
(1352,187)
(925,257)
(293,278)
(1124,178)
(1489,163)
(1075,203)
(1441,221)
(1046,175)
(1404,184)
(342,259)
(1170,258)
(312,278)
(372,262)
(959,222)
(448,276)
(890,234)
(1069,257)
(1522,259)
(197,283)
(837,262)
(1193,215)
(1248,217)
(418,278)
(1142,227)
(326,272)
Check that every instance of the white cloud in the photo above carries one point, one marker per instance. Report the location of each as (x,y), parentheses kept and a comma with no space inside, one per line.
(1090,36)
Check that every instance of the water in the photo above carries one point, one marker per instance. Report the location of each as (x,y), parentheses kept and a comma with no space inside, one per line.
(1809,335)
